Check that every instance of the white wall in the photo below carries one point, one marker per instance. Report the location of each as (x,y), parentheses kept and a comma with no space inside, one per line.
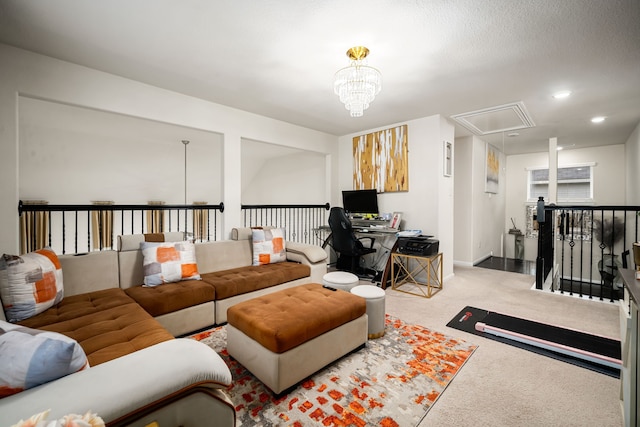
(31,75)
(488,212)
(127,160)
(282,175)
(632,157)
(428,205)
(479,215)
(463,201)
(608,183)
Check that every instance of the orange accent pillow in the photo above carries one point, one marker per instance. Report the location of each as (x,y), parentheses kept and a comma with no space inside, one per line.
(30,283)
(168,262)
(268,246)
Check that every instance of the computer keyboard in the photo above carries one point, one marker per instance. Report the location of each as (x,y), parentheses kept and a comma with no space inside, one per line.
(369,222)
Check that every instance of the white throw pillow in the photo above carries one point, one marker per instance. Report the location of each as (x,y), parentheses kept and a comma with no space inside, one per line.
(31,357)
(268,246)
(168,262)
(30,283)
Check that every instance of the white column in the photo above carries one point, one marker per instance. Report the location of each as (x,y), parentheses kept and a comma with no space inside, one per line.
(9,235)
(231,185)
(553,171)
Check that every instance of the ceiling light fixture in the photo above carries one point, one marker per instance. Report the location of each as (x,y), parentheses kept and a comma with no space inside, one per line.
(598,119)
(358,84)
(561,95)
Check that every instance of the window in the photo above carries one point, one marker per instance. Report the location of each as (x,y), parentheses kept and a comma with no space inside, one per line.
(575,184)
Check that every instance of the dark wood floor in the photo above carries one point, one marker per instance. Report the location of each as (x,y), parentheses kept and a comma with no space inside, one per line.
(509,264)
(566,286)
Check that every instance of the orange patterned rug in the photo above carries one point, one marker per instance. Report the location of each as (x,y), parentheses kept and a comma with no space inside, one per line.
(393,381)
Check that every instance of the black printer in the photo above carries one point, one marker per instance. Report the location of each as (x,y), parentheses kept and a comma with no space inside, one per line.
(418,245)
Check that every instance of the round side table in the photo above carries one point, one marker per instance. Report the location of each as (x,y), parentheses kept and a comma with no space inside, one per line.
(375,308)
(340,280)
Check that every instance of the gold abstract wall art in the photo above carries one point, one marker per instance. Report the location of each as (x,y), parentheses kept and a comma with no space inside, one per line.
(492,170)
(380,160)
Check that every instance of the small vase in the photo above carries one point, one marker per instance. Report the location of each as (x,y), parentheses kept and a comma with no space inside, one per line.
(609,268)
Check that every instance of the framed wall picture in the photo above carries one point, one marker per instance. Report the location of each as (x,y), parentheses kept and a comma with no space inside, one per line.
(447,155)
(381,160)
(492,175)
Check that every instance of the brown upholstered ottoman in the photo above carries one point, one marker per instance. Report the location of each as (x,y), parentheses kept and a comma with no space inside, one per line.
(284,337)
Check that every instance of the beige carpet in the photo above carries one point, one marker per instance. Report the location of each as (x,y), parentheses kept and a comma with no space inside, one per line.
(502,385)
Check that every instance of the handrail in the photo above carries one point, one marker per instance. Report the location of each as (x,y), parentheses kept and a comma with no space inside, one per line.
(326,206)
(22,207)
(298,220)
(53,225)
(580,260)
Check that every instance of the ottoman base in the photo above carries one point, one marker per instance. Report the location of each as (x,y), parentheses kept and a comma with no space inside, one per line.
(280,371)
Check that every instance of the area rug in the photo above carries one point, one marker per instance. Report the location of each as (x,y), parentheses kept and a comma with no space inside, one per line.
(393,381)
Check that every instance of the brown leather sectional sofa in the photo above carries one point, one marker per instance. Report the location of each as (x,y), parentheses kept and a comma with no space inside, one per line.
(111,315)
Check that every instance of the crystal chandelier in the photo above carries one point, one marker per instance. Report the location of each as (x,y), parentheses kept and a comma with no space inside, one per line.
(357,85)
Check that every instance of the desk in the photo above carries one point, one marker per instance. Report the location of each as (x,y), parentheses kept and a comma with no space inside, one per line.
(385,240)
(405,269)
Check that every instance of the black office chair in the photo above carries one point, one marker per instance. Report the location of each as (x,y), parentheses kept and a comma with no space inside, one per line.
(344,241)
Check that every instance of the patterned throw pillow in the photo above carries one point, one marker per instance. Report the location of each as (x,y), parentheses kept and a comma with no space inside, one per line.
(268,246)
(31,357)
(30,284)
(168,262)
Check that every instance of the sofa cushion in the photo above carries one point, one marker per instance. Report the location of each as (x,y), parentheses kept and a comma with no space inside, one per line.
(168,262)
(285,319)
(30,283)
(31,357)
(80,305)
(107,324)
(237,281)
(268,246)
(159,300)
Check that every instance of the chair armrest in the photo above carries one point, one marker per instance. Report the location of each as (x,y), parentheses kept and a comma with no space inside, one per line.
(305,253)
(149,378)
(372,239)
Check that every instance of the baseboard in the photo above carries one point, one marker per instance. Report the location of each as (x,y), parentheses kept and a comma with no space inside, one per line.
(482,258)
(462,263)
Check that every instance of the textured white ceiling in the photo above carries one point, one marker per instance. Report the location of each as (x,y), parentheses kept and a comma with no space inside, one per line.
(277,58)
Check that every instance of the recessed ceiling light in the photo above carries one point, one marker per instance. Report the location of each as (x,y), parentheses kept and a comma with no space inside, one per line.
(598,119)
(562,94)
(559,148)
(512,134)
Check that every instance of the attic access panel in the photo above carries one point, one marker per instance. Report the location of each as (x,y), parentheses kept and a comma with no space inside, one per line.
(503,118)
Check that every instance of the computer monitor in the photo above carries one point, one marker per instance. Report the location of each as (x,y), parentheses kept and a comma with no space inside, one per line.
(360,202)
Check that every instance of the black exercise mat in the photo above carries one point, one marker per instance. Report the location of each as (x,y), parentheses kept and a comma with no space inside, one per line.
(467,318)
(568,337)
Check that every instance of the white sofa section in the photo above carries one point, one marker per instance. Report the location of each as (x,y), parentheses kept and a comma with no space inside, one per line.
(177,382)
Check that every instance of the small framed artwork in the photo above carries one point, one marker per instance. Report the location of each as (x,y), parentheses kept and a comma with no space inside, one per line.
(395,220)
(448,158)
(492,171)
